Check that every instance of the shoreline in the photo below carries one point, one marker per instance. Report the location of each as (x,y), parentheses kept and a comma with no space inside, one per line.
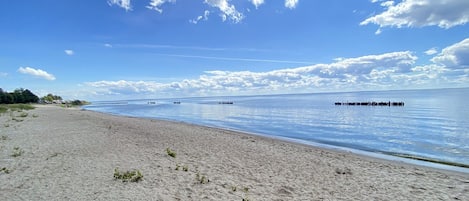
(388,156)
(71,154)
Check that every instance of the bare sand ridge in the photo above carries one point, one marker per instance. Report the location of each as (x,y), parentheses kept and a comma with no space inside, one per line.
(70,154)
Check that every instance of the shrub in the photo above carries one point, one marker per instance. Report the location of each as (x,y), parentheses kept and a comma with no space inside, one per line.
(132,176)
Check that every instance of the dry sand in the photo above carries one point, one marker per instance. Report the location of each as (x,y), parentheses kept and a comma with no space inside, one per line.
(70,154)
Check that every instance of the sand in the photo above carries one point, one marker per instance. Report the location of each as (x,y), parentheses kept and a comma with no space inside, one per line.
(71,154)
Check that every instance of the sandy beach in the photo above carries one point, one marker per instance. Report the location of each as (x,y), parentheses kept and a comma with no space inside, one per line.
(59,153)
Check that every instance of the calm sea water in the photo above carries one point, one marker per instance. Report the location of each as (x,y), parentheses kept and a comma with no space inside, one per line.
(433,124)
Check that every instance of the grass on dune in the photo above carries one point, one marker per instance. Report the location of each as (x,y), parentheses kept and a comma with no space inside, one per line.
(15,107)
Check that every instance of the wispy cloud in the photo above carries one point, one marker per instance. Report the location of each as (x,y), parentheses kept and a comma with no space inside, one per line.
(36,73)
(431,51)
(420,13)
(69,52)
(2,74)
(236,59)
(156,4)
(201,17)
(125,4)
(107,45)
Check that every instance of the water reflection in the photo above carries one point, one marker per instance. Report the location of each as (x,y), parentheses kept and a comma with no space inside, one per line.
(432,124)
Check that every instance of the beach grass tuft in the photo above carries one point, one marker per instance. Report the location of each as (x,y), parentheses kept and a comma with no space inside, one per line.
(17,152)
(185,168)
(23,115)
(15,107)
(5,170)
(20,107)
(132,176)
(202,179)
(171,152)
(3,109)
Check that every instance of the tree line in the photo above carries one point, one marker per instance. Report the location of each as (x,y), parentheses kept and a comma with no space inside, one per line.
(18,96)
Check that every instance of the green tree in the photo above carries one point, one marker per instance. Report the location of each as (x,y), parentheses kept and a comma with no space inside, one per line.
(2,96)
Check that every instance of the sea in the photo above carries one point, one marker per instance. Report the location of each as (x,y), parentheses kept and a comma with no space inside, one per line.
(431,128)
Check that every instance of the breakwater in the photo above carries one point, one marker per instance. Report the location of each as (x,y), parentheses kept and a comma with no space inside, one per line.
(389,103)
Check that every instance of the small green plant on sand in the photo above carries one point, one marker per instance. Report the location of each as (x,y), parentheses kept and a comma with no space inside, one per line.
(23,115)
(17,152)
(185,168)
(17,120)
(4,137)
(5,170)
(171,152)
(201,178)
(132,176)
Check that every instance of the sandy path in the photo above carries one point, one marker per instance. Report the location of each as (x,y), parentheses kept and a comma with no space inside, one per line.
(71,154)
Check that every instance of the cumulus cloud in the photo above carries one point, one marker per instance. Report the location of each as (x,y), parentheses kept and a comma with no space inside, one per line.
(69,52)
(257,3)
(127,87)
(455,56)
(228,11)
(371,70)
(125,4)
(291,4)
(156,4)
(36,73)
(421,13)
(201,17)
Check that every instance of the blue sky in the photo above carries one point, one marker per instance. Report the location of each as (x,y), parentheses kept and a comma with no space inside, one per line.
(121,49)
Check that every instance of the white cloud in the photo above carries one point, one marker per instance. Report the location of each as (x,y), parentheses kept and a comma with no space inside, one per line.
(36,73)
(228,10)
(455,56)
(201,17)
(125,4)
(257,3)
(431,51)
(421,13)
(156,4)
(127,87)
(69,52)
(2,74)
(291,4)
(373,70)
(107,45)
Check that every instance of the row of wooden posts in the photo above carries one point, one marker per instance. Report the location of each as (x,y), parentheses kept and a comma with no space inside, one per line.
(389,103)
